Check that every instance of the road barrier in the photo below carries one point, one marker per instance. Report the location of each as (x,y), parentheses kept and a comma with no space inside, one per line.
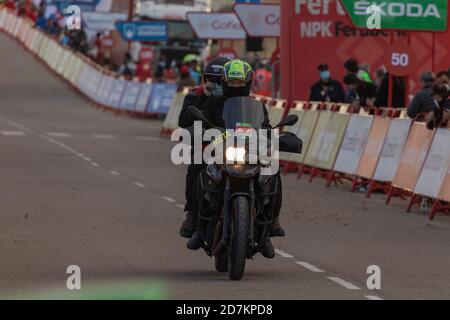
(378,148)
(383,151)
(102,87)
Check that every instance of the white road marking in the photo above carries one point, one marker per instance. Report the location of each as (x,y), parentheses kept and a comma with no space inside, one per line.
(103,136)
(309,266)
(18,125)
(114,173)
(345,284)
(86,159)
(180,206)
(140,185)
(13,133)
(95,164)
(169,199)
(58,134)
(283,253)
(373,298)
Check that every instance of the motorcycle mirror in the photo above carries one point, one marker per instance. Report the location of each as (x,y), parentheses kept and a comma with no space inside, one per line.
(290,120)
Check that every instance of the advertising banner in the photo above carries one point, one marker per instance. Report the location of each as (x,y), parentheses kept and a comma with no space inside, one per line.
(418,15)
(436,165)
(317,137)
(142,30)
(101,21)
(305,133)
(332,140)
(413,157)
(130,95)
(161,97)
(115,96)
(354,143)
(216,26)
(374,146)
(320,31)
(392,150)
(107,89)
(144,95)
(259,20)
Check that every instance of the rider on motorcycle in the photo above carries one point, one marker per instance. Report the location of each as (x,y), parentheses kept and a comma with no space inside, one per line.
(212,87)
(237,82)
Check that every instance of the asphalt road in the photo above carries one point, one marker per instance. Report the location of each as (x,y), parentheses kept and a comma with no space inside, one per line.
(83,187)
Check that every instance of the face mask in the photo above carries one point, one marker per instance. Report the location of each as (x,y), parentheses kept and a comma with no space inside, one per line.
(217,90)
(325,75)
(208,88)
(237,92)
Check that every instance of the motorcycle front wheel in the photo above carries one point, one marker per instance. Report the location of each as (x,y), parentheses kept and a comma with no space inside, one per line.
(239,241)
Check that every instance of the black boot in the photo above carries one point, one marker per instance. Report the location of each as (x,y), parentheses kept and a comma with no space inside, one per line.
(188,227)
(267,249)
(277,230)
(195,242)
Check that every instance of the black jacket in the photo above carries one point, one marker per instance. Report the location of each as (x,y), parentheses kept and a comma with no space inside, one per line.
(423,102)
(398,92)
(195,98)
(331,90)
(366,90)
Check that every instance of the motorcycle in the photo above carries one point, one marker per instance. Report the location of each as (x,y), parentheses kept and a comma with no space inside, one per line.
(236,202)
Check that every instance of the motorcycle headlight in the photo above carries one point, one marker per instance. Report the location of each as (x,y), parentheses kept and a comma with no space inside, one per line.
(235,154)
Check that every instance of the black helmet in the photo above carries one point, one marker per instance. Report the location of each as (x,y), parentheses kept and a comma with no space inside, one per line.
(215,67)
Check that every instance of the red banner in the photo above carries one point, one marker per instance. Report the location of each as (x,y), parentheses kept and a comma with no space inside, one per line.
(319,31)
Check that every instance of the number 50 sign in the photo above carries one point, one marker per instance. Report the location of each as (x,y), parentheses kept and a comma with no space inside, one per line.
(400,60)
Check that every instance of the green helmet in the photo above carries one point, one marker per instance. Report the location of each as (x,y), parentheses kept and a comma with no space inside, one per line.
(238,70)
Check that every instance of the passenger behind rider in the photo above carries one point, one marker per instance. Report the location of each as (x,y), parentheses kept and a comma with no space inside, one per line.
(212,87)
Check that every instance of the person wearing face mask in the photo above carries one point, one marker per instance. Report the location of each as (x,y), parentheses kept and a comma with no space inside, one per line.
(237,82)
(441,112)
(212,87)
(326,89)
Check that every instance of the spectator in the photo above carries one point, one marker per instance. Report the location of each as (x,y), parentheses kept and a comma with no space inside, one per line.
(195,72)
(263,80)
(41,22)
(186,78)
(78,40)
(352,96)
(64,37)
(361,91)
(128,67)
(326,89)
(443,77)
(352,66)
(379,76)
(170,74)
(441,112)
(423,101)
(159,70)
(398,92)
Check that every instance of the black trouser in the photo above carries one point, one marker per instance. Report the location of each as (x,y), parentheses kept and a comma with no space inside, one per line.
(192,174)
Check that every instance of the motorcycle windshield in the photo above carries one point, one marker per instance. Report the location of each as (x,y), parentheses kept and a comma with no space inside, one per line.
(241,113)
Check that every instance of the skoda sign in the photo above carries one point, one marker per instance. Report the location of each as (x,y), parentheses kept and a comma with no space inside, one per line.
(415,15)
